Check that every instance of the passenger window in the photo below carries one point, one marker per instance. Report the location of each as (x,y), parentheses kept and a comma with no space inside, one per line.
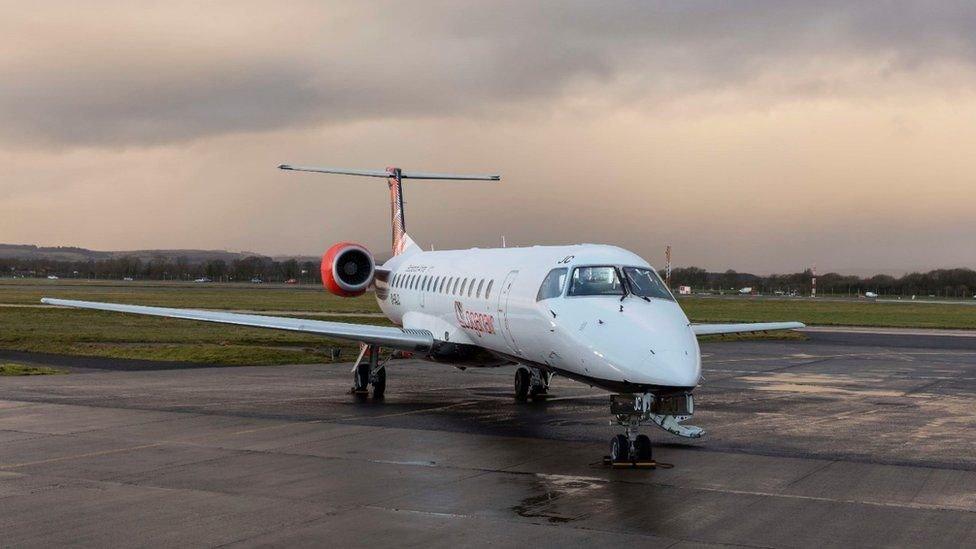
(396,281)
(441,288)
(433,287)
(488,289)
(464,284)
(414,281)
(454,287)
(480,284)
(553,285)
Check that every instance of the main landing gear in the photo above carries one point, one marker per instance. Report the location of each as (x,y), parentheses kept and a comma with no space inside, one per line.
(371,372)
(531,382)
(632,449)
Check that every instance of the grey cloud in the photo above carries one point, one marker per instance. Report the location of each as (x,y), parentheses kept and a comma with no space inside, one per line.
(444,60)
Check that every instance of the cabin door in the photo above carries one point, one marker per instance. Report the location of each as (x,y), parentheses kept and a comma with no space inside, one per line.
(503,319)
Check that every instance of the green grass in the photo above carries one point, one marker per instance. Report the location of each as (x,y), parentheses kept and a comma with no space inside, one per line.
(187,295)
(21,370)
(97,333)
(831,313)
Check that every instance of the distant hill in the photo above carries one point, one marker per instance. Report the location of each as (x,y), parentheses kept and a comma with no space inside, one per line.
(71,253)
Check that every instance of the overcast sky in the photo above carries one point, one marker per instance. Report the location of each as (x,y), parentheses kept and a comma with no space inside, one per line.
(759,136)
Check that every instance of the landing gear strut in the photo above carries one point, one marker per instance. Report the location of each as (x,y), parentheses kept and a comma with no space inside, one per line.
(369,372)
(632,449)
(531,382)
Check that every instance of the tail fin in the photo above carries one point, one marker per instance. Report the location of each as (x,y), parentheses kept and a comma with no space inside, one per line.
(394,179)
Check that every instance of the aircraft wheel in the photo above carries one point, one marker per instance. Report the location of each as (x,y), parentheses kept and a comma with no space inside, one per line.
(523,381)
(643,448)
(379,384)
(361,387)
(619,449)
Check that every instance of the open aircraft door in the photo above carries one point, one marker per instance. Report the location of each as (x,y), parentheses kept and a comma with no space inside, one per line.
(503,298)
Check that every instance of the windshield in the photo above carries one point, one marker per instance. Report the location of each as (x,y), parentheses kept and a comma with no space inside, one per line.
(646,283)
(595,281)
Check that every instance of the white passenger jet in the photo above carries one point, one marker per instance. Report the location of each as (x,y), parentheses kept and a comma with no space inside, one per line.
(597,314)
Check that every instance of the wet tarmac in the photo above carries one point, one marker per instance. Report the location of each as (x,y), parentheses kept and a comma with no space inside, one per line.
(849,439)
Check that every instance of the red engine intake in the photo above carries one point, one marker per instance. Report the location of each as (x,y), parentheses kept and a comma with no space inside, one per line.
(347,269)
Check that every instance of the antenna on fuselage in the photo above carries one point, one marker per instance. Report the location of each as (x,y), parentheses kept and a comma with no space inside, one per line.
(394,177)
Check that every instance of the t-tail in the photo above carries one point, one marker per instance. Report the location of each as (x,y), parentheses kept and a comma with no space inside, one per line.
(394,178)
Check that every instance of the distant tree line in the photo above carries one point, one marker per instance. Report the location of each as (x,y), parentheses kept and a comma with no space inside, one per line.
(163,268)
(940,282)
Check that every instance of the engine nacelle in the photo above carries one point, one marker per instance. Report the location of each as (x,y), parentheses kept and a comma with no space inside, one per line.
(347,269)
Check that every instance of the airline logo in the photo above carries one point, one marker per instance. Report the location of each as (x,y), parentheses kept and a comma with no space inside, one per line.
(479,322)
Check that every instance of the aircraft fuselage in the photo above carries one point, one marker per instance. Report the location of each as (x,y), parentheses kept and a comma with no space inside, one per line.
(492,300)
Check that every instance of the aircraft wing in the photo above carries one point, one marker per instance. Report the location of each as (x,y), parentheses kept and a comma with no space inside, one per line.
(714,329)
(384,336)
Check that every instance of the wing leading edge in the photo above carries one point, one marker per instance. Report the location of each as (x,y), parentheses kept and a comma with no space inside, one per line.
(385,336)
(715,329)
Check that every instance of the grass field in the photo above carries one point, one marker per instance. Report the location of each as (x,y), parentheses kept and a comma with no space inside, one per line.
(21,370)
(94,333)
(832,313)
(252,297)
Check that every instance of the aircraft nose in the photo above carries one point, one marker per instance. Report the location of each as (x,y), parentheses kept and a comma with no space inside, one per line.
(663,367)
(678,368)
(651,346)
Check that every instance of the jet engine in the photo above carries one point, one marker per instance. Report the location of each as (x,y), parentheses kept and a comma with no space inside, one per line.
(347,269)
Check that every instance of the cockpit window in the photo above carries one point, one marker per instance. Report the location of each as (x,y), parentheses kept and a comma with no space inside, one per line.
(595,281)
(552,286)
(646,283)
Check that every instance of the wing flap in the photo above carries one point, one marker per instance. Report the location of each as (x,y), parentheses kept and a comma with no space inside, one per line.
(385,336)
(714,329)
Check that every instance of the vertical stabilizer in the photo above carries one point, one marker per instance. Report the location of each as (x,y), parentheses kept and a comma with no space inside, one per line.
(397,221)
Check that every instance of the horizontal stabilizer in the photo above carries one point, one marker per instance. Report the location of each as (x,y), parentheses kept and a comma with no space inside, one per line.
(387,173)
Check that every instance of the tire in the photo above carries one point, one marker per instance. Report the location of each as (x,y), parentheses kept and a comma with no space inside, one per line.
(642,447)
(379,384)
(619,449)
(362,379)
(523,381)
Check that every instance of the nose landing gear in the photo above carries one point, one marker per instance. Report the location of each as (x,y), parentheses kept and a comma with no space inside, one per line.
(631,449)
(630,411)
(531,382)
